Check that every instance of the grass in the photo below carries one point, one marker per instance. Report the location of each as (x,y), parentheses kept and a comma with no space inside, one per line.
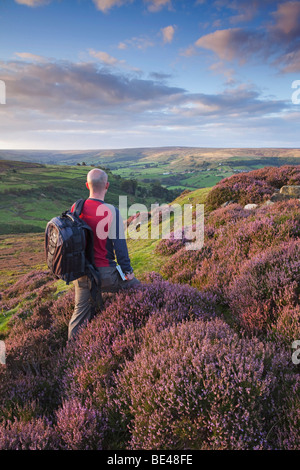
(31,195)
(20,254)
(142,251)
(193,197)
(61,288)
(143,257)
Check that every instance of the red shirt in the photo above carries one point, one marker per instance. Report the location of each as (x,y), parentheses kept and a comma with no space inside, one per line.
(109,237)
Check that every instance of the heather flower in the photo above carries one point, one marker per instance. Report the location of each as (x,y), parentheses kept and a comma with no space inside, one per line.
(36,434)
(267,283)
(115,335)
(287,327)
(198,385)
(230,243)
(80,427)
(253,187)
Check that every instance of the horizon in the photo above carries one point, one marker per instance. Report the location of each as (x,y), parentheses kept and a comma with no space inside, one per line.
(142,148)
(117,74)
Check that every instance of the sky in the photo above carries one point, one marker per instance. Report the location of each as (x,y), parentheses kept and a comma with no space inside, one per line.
(98,74)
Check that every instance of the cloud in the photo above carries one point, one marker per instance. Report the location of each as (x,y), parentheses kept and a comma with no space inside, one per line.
(239,102)
(160,76)
(122,45)
(139,42)
(153,5)
(82,92)
(287,19)
(65,87)
(157,5)
(277,44)
(188,51)
(233,43)
(31,57)
(168,34)
(245,10)
(111,61)
(105,5)
(81,105)
(289,62)
(229,74)
(105,57)
(33,3)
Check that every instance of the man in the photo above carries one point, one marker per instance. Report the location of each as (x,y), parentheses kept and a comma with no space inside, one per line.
(109,246)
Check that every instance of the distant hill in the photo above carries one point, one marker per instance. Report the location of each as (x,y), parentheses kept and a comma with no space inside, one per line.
(33,193)
(176,168)
(174,155)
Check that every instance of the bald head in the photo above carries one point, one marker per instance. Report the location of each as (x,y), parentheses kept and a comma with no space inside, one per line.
(97,180)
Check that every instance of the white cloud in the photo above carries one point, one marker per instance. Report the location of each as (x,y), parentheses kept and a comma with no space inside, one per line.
(287,19)
(111,61)
(122,45)
(138,42)
(157,5)
(188,52)
(31,57)
(105,5)
(32,3)
(289,62)
(168,34)
(232,43)
(105,57)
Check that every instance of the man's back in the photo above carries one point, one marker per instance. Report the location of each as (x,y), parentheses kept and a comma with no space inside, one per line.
(110,248)
(109,237)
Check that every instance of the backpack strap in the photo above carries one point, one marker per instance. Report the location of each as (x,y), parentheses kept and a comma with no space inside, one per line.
(78,207)
(94,280)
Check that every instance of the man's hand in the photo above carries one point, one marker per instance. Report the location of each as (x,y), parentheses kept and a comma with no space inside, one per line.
(130,276)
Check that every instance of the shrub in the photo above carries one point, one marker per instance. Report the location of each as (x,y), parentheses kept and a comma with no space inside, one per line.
(242,189)
(116,335)
(31,383)
(230,243)
(286,329)
(279,176)
(80,427)
(29,283)
(36,434)
(28,394)
(253,187)
(267,283)
(113,336)
(198,385)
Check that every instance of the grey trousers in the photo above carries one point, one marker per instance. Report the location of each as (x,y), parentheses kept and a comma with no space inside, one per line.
(111,281)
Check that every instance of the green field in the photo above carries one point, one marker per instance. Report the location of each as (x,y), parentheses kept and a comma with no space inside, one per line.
(191,173)
(142,251)
(174,167)
(32,194)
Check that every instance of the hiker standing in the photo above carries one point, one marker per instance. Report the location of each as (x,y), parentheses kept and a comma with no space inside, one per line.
(110,249)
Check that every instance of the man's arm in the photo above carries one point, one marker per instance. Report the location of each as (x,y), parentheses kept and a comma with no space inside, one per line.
(120,245)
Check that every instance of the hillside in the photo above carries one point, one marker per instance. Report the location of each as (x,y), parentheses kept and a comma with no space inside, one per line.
(174,167)
(32,193)
(158,154)
(199,357)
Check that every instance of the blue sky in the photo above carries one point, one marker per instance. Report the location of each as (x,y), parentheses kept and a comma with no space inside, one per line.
(88,74)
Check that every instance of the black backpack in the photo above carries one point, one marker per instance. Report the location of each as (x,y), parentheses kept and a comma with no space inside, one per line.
(69,248)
